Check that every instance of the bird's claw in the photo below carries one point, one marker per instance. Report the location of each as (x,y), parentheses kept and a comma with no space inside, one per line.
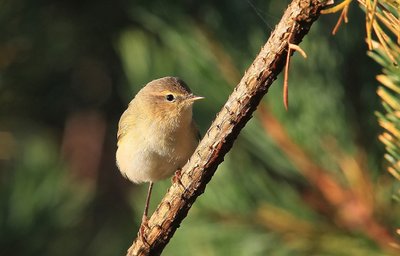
(143,226)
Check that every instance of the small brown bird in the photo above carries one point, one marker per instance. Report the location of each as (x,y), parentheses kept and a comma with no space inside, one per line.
(156,133)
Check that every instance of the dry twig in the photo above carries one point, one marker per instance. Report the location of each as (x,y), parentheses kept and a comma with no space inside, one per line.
(236,112)
(291,48)
(344,6)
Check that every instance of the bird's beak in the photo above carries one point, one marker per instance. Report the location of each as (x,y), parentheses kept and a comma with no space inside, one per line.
(193,97)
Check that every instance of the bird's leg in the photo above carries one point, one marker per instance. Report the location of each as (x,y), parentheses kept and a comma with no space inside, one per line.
(146,207)
(145,219)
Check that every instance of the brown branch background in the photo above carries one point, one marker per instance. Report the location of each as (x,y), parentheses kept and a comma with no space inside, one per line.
(237,111)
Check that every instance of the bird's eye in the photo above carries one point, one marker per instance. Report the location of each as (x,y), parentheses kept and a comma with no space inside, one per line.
(170,97)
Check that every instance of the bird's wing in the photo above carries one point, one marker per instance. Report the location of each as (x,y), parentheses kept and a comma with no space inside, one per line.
(124,125)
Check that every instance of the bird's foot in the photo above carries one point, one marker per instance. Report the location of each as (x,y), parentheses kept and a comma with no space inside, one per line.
(177,177)
(143,226)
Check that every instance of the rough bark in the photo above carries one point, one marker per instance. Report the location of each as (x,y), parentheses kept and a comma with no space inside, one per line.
(236,112)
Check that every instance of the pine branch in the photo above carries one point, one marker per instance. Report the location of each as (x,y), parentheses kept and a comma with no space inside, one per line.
(383,21)
(237,111)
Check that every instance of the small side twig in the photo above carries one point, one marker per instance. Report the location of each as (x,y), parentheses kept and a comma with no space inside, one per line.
(291,47)
(344,6)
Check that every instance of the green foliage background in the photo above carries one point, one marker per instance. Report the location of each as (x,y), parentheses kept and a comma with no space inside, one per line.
(65,59)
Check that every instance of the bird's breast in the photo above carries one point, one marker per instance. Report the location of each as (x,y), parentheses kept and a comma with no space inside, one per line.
(156,152)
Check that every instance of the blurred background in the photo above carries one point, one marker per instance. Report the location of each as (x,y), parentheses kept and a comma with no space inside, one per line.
(310,181)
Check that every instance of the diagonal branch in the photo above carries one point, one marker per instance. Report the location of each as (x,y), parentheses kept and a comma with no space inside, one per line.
(219,139)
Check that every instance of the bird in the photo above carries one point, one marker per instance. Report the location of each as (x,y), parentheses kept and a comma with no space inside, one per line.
(156,133)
